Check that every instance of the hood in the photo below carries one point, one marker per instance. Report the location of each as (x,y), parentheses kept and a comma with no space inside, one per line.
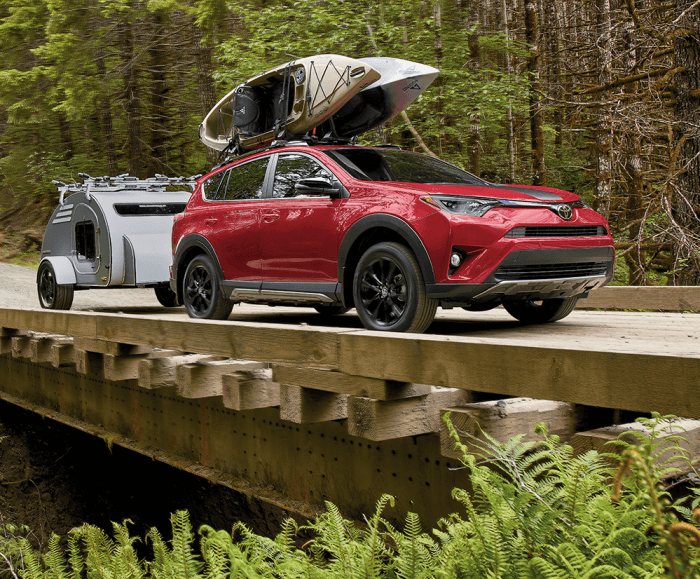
(515,192)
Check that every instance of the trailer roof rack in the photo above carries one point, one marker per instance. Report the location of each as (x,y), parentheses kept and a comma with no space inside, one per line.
(125,182)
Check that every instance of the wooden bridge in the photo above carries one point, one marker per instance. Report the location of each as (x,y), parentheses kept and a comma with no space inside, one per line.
(291,416)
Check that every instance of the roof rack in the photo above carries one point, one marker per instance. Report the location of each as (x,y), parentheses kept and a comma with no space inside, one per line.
(294,141)
(122,182)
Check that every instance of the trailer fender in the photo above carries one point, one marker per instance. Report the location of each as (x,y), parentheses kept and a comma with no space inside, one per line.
(62,268)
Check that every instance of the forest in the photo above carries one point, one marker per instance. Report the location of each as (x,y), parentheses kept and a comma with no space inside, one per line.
(598,97)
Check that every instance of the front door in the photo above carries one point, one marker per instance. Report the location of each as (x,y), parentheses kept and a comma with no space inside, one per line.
(298,234)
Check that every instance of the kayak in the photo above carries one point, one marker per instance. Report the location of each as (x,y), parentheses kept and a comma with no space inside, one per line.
(289,100)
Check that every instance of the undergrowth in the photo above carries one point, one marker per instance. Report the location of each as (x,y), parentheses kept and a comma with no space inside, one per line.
(536,511)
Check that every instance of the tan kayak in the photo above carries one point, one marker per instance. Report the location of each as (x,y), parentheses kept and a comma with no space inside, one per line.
(289,100)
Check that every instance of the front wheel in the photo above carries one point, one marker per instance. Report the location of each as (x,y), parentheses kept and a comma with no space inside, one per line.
(540,312)
(201,292)
(167,297)
(389,290)
(52,296)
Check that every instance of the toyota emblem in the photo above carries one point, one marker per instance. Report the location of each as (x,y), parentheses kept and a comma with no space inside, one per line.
(565,212)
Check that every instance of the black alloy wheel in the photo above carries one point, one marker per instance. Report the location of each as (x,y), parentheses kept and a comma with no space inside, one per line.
(540,312)
(167,297)
(389,291)
(53,296)
(201,291)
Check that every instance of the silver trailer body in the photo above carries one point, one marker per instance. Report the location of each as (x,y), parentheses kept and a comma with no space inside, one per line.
(111,232)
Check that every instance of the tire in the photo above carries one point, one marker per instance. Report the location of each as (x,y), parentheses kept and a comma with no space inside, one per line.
(389,290)
(330,309)
(201,292)
(52,296)
(533,312)
(167,297)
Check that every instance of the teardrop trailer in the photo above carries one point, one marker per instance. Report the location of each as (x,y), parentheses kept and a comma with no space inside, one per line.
(111,232)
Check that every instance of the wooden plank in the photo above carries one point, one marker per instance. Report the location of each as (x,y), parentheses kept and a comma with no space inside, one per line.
(127,367)
(637,382)
(10,332)
(110,348)
(203,379)
(386,420)
(316,347)
(340,383)
(161,372)
(20,347)
(41,347)
(62,355)
(660,298)
(250,389)
(51,321)
(331,381)
(89,363)
(604,440)
(305,406)
(504,419)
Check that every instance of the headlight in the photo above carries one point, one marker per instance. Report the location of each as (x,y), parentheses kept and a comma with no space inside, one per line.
(472,206)
(581,204)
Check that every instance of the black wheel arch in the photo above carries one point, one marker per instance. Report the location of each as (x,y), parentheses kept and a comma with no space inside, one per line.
(188,249)
(376,229)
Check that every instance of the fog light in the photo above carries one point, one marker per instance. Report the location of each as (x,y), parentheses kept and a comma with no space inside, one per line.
(455,260)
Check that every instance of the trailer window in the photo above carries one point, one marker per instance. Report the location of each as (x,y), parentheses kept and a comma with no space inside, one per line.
(149,208)
(85,240)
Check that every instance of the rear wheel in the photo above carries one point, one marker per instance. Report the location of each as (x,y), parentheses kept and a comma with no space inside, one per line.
(167,297)
(541,312)
(201,292)
(389,290)
(53,296)
(330,309)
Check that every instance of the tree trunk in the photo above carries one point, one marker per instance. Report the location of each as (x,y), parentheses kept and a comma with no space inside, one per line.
(132,101)
(686,139)
(105,116)
(539,169)
(205,81)
(157,161)
(604,138)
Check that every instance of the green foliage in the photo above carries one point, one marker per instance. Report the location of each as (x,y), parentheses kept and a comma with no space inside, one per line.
(535,511)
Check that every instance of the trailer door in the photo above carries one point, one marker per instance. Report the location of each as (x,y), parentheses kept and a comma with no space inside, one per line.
(90,247)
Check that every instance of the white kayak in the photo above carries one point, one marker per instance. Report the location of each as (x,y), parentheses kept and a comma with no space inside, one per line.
(401,83)
(288,100)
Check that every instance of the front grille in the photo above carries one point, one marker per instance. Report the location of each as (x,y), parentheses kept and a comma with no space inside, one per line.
(557,231)
(550,271)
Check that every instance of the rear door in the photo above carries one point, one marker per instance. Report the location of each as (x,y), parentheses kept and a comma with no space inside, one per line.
(232,217)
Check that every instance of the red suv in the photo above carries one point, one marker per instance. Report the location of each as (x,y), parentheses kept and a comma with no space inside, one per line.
(391,233)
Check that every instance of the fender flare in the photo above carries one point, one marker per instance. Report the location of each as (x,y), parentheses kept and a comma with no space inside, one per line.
(195,241)
(62,268)
(393,223)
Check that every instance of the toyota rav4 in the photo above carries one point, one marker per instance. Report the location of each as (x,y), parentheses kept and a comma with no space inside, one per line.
(391,233)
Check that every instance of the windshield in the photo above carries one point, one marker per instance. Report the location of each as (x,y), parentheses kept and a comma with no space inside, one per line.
(401,166)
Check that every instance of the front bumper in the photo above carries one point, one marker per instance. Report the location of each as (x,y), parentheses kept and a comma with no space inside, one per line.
(534,274)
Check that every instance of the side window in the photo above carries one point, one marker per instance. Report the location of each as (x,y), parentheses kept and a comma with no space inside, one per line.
(245,181)
(292,168)
(212,185)
(85,240)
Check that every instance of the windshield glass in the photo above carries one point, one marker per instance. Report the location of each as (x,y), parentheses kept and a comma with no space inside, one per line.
(401,166)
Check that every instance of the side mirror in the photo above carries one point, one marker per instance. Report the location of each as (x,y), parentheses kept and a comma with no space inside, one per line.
(317,186)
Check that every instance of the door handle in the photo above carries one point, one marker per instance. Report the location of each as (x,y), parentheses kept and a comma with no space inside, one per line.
(270,216)
(210,221)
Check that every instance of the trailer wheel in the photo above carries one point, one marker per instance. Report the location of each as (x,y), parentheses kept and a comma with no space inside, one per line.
(52,296)
(167,297)
(201,292)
